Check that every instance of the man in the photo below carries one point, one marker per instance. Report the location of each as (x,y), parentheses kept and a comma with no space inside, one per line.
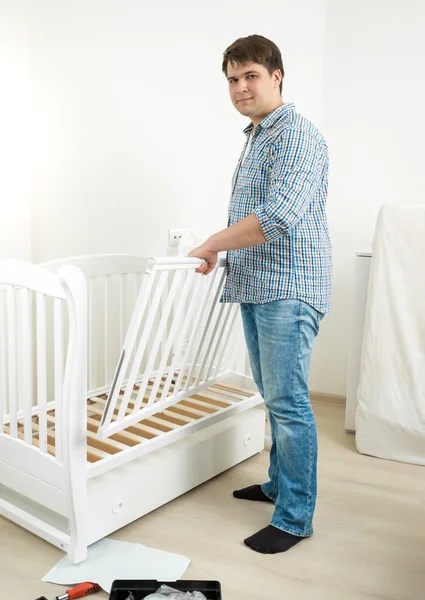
(279,270)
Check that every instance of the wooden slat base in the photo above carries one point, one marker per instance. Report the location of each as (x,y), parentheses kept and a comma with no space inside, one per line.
(199,405)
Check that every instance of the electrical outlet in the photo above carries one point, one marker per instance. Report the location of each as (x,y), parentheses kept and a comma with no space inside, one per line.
(175,235)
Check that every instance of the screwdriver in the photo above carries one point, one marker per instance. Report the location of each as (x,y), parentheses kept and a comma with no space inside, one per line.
(84,589)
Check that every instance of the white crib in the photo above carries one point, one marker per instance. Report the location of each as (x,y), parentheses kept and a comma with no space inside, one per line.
(118,392)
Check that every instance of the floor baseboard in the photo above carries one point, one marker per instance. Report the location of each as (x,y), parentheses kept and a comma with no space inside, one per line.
(327,398)
(323,397)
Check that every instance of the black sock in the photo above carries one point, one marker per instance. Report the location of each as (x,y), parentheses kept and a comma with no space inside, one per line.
(253,492)
(272,540)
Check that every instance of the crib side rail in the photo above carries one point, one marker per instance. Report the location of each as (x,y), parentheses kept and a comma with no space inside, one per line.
(177,342)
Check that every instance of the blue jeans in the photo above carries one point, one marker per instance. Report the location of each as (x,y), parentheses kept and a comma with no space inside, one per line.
(280,337)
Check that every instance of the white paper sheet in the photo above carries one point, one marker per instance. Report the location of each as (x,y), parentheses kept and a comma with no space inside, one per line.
(108,560)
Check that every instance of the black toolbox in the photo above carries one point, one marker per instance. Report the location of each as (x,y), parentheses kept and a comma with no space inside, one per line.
(141,588)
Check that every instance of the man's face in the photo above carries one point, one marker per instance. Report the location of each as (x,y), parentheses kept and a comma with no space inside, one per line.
(253,91)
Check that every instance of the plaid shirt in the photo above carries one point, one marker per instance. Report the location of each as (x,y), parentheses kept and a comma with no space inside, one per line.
(283,181)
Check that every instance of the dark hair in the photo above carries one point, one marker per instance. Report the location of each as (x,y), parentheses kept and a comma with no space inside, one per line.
(254,49)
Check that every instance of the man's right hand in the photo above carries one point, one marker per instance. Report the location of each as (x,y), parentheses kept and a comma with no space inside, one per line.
(206,254)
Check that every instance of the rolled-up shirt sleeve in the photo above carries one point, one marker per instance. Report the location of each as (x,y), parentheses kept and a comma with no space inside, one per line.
(296,163)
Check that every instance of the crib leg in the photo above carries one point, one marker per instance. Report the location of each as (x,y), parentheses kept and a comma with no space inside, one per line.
(74,414)
(77,551)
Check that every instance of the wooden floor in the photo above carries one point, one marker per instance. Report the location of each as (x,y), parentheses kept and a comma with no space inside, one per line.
(369,540)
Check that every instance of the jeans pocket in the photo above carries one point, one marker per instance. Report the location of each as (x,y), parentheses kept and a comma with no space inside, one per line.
(314,316)
(319,319)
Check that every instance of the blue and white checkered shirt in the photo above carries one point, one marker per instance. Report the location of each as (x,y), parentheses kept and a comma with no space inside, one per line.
(283,181)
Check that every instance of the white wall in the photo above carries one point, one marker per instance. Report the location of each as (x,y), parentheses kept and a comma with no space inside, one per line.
(134,131)
(15,131)
(374,121)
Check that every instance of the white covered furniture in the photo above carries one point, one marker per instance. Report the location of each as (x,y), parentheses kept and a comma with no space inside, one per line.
(390,420)
(362,263)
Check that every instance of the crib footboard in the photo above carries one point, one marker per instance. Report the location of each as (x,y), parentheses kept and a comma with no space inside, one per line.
(33,491)
(43,472)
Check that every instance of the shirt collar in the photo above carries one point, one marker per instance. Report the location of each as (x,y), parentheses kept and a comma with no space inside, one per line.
(272,117)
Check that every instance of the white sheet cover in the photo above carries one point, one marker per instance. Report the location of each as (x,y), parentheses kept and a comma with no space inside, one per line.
(390,419)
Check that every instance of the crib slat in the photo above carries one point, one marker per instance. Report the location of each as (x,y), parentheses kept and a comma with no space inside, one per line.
(107,446)
(209,398)
(219,329)
(130,339)
(121,309)
(222,327)
(234,388)
(158,340)
(224,351)
(208,353)
(41,369)
(180,420)
(226,395)
(58,372)
(199,316)
(169,415)
(174,327)
(124,437)
(196,411)
(105,333)
(11,350)
(153,424)
(157,422)
(185,412)
(24,360)
(93,454)
(182,338)
(89,334)
(3,367)
(145,432)
(205,330)
(50,434)
(163,308)
(198,405)
(92,343)
(142,344)
(136,288)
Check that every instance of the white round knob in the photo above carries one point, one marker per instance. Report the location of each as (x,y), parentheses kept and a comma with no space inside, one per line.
(117,505)
(247,439)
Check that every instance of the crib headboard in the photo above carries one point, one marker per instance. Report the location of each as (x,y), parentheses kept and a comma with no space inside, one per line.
(113,283)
